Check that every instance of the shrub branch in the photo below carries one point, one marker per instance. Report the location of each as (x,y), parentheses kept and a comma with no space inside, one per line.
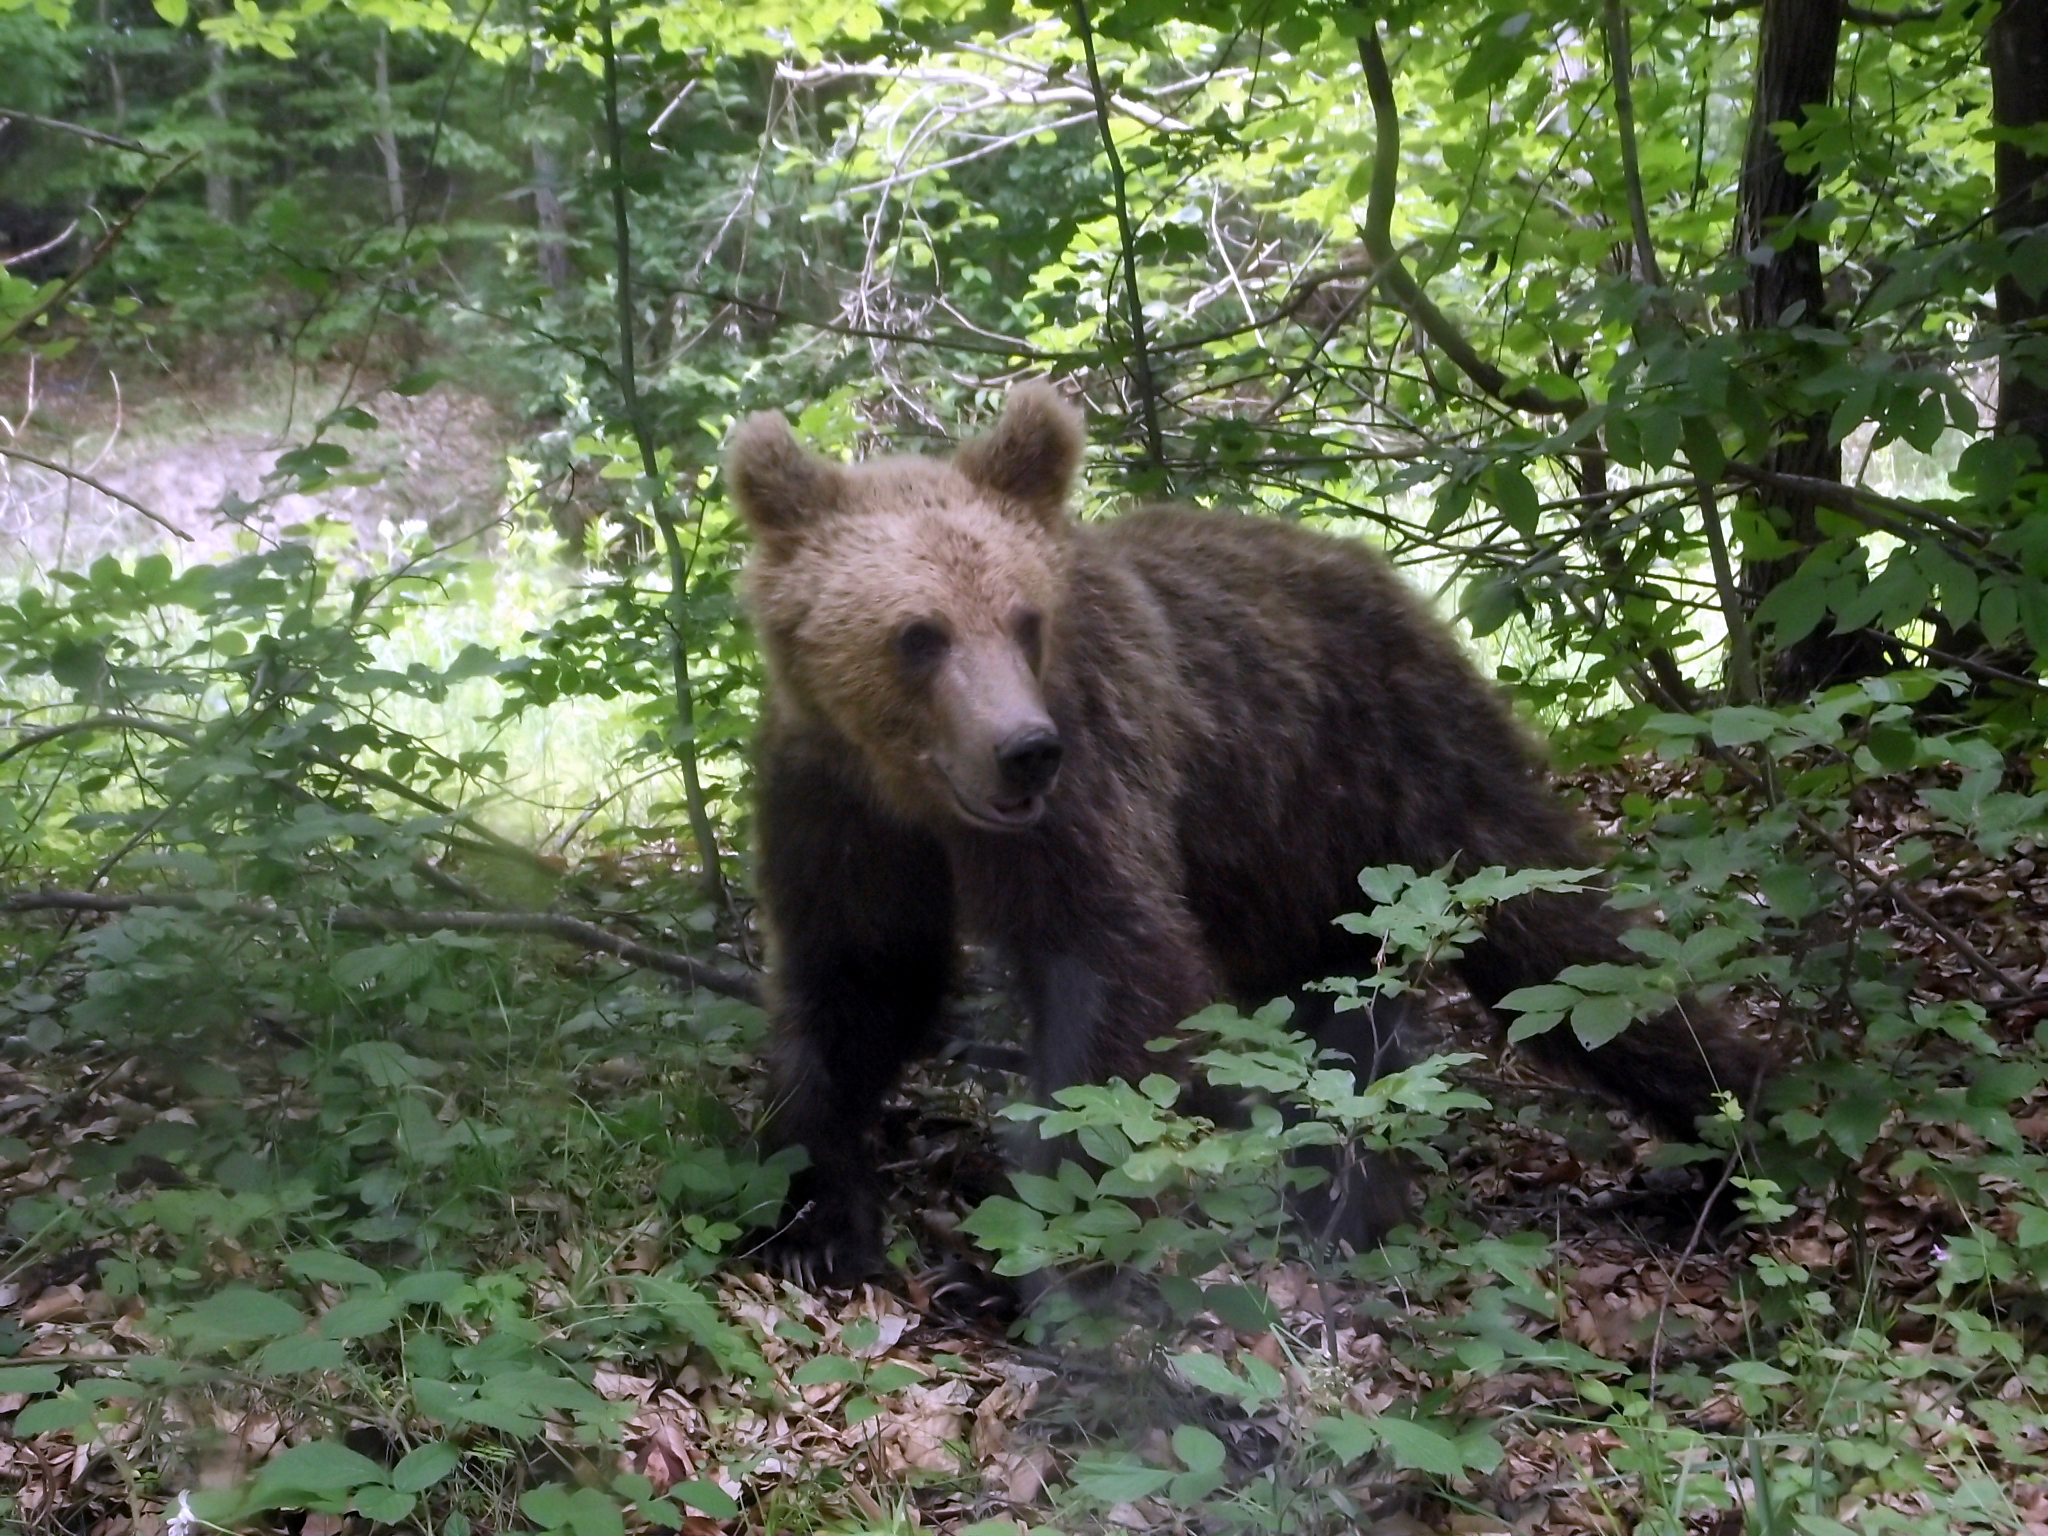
(712,978)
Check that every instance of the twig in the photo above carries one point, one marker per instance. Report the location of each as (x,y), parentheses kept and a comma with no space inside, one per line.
(1974,668)
(1969,952)
(98,485)
(712,978)
(79,130)
(1856,502)
(16,258)
(1134,301)
(40,734)
(1376,230)
(876,333)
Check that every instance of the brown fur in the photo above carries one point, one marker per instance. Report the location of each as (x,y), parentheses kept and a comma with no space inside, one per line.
(1249,713)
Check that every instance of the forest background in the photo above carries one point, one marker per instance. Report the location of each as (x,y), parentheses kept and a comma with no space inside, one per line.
(381,980)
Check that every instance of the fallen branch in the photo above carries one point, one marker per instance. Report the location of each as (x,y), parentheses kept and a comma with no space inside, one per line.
(743,985)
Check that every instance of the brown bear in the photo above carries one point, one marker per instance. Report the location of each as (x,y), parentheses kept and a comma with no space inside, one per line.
(1143,759)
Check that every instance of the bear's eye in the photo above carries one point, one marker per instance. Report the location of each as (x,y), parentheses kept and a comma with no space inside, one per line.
(921,645)
(1030,629)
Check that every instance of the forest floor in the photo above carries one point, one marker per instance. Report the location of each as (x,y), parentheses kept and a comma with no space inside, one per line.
(197,447)
(926,1414)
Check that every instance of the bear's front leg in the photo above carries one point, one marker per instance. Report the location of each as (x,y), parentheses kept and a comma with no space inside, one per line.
(860,918)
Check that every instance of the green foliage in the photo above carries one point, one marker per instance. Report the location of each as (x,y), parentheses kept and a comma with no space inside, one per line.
(403,1194)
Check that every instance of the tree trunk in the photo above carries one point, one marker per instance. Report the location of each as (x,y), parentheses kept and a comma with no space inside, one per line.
(1797,42)
(2016,48)
(387,128)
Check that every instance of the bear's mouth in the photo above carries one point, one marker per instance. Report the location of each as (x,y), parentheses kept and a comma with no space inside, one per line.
(1002,815)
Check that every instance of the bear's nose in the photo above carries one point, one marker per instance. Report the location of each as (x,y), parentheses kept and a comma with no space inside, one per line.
(1030,760)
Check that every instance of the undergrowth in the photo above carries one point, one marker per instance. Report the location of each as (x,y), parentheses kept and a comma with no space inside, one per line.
(320,1203)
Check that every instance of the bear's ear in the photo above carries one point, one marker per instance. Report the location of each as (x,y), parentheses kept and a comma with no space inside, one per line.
(778,483)
(1031,454)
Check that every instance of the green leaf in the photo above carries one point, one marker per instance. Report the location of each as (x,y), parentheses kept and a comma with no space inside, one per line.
(1198,1450)
(706,1498)
(326,1469)
(62,1414)
(174,12)
(1240,1308)
(893,1376)
(592,1512)
(425,1465)
(547,1506)
(1417,1447)
(1737,725)
(30,1378)
(859,1410)
(239,1315)
(1516,498)
(1597,1020)
(325,1265)
(360,1317)
(825,1368)
(431,1287)
(385,1506)
(1118,1479)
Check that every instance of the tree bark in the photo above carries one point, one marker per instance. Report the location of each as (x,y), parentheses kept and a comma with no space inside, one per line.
(2016,48)
(1797,42)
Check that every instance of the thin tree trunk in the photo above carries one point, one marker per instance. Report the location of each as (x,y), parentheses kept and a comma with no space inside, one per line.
(115,86)
(2016,48)
(387,128)
(220,186)
(1797,42)
(551,252)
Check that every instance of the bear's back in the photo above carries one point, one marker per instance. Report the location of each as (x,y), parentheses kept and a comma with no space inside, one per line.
(1332,722)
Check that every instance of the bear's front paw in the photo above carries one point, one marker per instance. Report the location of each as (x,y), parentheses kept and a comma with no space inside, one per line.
(826,1239)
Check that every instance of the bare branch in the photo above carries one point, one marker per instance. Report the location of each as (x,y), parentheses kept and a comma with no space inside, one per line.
(1134,301)
(743,985)
(1377,232)
(49,245)
(98,485)
(110,722)
(80,131)
(1741,653)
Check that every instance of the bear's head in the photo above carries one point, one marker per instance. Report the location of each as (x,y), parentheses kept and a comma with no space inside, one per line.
(912,604)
